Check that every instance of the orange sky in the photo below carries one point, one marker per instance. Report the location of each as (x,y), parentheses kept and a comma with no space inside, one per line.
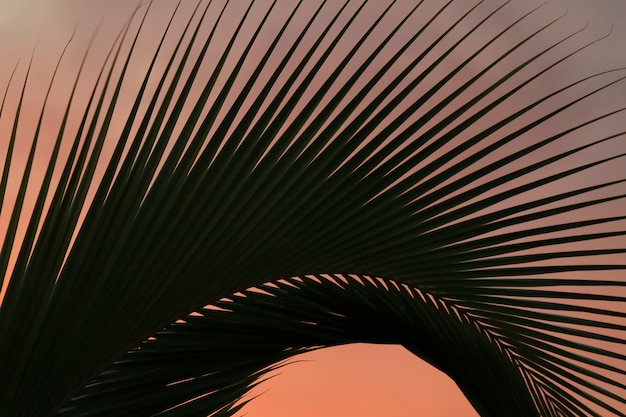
(360,381)
(350,381)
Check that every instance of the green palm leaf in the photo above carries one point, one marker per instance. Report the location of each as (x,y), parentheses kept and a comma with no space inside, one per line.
(222,352)
(366,146)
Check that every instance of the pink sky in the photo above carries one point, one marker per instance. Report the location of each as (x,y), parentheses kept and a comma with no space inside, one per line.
(349,381)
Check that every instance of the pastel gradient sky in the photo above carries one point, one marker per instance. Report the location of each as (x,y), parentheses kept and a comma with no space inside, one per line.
(349,381)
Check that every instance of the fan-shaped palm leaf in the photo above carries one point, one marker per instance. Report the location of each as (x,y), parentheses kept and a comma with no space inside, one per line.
(411,152)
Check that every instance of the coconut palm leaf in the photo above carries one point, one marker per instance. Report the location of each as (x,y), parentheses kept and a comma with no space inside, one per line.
(224,349)
(416,150)
(241,337)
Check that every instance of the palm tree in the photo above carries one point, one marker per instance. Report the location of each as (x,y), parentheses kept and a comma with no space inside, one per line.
(289,176)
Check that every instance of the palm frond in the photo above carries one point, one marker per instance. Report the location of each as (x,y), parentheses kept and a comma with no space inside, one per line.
(204,363)
(207,362)
(443,150)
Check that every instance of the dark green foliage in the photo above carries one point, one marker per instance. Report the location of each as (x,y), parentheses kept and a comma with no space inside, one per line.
(381,142)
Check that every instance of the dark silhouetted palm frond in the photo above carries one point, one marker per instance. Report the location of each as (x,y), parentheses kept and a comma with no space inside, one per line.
(435,175)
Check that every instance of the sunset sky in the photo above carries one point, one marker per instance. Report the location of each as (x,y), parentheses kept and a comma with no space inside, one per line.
(349,381)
